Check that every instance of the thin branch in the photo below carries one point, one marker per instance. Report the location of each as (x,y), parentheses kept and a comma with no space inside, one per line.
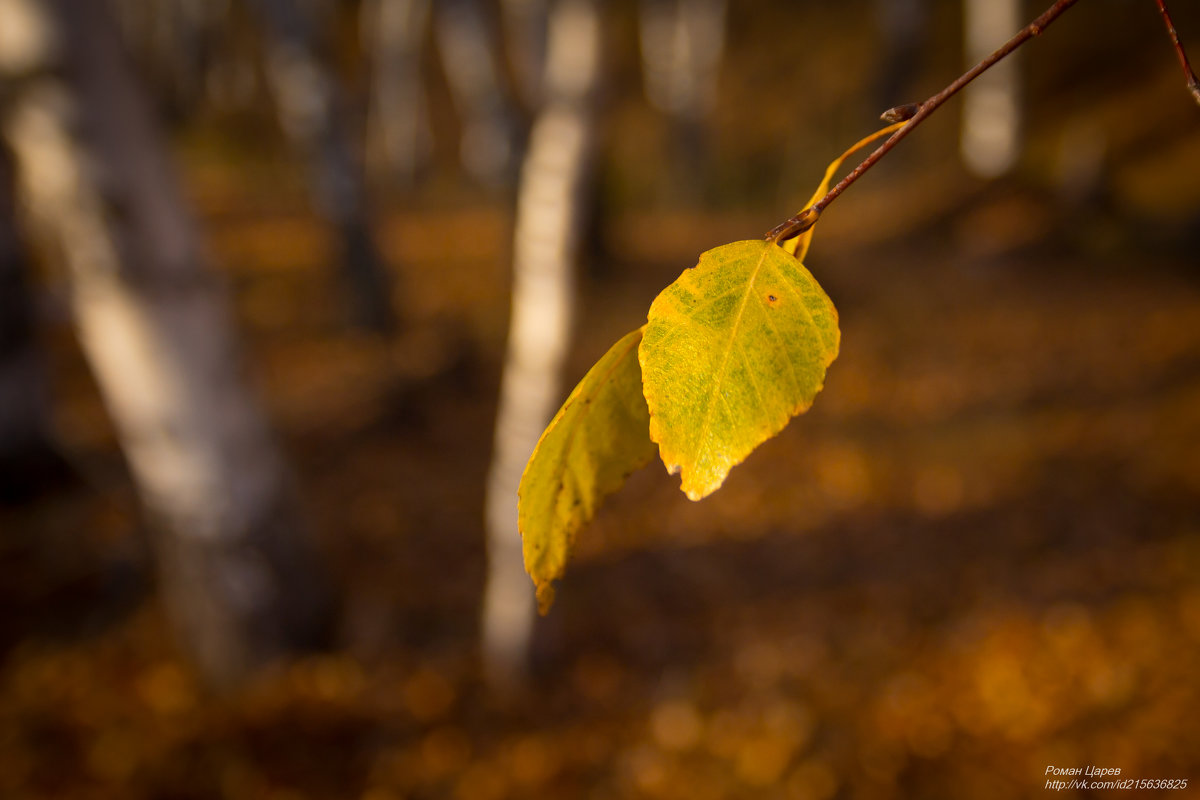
(1189,74)
(808,217)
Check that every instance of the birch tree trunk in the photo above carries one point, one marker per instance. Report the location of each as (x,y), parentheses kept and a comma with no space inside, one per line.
(991,118)
(903,27)
(237,570)
(550,208)
(487,148)
(525,32)
(399,137)
(174,40)
(682,42)
(399,141)
(314,111)
(682,45)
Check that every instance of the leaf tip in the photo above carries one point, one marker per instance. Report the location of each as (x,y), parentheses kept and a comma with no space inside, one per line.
(545,597)
(699,484)
(697,492)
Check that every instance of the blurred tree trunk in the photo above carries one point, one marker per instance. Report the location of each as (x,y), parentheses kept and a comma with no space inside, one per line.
(315,111)
(398,126)
(398,137)
(175,39)
(682,45)
(487,147)
(237,569)
(990,141)
(551,208)
(525,32)
(904,30)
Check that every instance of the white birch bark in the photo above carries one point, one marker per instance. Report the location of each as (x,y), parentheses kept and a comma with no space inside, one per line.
(238,575)
(990,141)
(550,207)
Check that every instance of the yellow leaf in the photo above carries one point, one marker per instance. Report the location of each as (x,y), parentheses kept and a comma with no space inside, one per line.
(798,245)
(596,440)
(733,349)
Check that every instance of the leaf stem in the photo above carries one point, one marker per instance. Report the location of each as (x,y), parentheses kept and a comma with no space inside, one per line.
(1189,74)
(808,217)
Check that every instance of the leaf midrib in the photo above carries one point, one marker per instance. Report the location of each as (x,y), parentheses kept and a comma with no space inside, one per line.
(720,378)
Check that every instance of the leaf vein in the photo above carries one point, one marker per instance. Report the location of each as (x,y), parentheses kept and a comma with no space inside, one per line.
(811,319)
(719,378)
(762,403)
(787,356)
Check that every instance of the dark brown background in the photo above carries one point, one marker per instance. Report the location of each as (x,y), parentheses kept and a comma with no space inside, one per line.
(977,556)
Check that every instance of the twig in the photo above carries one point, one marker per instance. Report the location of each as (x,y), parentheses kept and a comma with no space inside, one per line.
(808,217)
(1189,74)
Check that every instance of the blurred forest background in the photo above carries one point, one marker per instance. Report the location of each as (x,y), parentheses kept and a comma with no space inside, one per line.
(257,269)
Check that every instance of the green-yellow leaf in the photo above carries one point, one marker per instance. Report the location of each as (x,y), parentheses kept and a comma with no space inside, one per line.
(599,436)
(733,349)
